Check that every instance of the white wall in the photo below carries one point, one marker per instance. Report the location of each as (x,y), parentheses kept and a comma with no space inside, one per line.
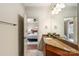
(58,19)
(57,22)
(8,33)
(43,14)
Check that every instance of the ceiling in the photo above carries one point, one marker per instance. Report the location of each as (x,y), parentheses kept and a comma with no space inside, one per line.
(71,4)
(47,4)
(37,4)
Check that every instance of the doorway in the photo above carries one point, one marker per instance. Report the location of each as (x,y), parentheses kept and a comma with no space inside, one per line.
(31,36)
(31,41)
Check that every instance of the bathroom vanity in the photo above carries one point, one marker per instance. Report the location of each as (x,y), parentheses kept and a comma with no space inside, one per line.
(55,47)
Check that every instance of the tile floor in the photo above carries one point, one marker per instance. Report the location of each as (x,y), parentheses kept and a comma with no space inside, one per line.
(32,50)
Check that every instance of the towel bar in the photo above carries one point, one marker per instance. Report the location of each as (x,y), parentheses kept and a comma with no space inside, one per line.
(7,23)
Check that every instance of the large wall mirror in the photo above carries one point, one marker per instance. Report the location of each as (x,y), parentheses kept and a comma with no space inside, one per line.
(70,29)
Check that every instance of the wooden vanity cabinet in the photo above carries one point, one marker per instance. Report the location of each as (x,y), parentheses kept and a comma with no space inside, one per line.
(49,50)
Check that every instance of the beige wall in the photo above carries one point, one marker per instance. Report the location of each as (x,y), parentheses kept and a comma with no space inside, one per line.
(8,33)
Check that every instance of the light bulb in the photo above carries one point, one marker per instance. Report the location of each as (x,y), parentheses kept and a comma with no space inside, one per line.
(60,5)
(53,12)
(57,9)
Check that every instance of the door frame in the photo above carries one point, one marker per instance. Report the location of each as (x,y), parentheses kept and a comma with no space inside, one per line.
(20,35)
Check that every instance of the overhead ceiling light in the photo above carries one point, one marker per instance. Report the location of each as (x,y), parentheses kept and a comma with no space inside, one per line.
(58,8)
(53,12)
(56,11)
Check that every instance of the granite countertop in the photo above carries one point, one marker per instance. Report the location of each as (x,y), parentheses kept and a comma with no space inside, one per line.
(59,44)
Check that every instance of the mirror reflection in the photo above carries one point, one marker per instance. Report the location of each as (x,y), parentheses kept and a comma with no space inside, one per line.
(70,29)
